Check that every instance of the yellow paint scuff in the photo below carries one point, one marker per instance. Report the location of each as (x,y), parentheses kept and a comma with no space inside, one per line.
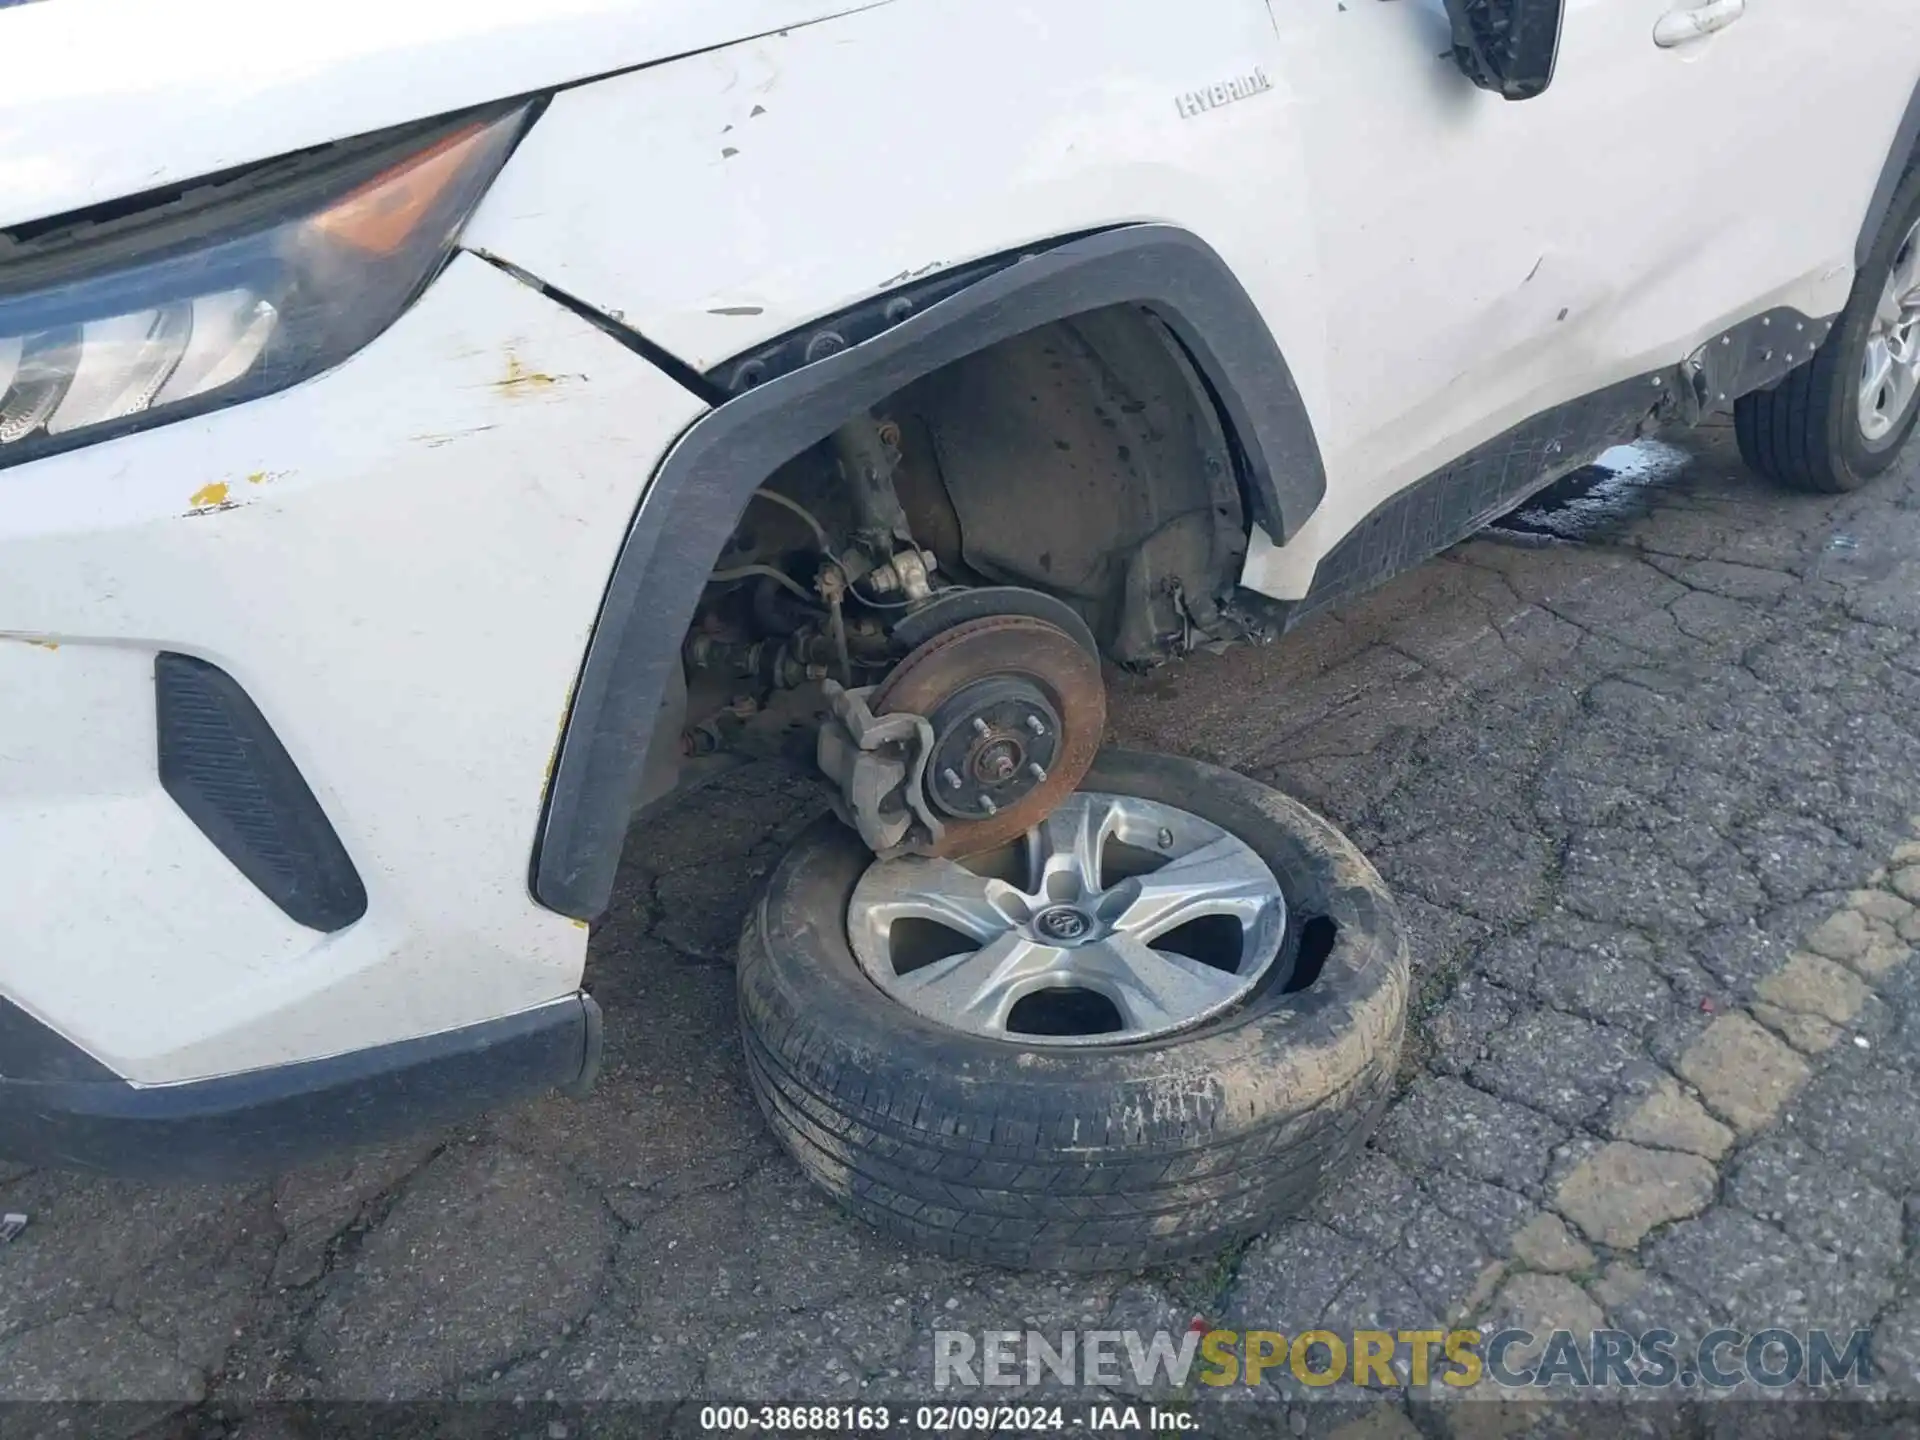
(519,378)
(206,495)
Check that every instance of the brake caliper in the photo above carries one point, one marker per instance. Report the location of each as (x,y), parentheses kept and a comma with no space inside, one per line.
(878,764)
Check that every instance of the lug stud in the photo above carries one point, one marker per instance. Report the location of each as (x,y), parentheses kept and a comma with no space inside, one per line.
(1038,772)
(986,804)
(1033,724)
(979,726)
(950,778)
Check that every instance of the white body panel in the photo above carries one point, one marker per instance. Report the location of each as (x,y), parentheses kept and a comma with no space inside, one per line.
(104,98)
(817,170)
(1411,242)
(401,561)
(1489,261)
(412,556)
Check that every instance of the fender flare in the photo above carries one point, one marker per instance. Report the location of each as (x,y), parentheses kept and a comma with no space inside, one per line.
(1901,158)
(704,483)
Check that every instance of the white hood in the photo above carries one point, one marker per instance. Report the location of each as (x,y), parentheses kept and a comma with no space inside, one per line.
(104,98)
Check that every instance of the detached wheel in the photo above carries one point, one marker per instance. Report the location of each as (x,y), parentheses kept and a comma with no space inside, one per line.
(1840,421)
(1167,1015)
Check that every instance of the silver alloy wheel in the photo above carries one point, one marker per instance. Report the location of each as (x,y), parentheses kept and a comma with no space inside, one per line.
(1105,878)
(1890,373)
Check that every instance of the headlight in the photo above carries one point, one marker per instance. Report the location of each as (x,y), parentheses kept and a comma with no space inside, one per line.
(229,288)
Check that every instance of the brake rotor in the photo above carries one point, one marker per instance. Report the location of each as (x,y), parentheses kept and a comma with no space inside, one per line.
(1017,707)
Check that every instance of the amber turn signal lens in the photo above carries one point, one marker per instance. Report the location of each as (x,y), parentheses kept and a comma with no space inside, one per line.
(380,216)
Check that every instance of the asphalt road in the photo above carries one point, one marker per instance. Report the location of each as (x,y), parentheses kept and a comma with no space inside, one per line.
(1644,767)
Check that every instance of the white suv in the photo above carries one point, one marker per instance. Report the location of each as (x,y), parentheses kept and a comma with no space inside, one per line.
(432,432)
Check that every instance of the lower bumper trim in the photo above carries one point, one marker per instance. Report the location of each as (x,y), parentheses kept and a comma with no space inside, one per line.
(262,1121)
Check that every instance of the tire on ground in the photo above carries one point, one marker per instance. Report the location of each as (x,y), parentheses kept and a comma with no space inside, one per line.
(1805,431)
(1083,1158)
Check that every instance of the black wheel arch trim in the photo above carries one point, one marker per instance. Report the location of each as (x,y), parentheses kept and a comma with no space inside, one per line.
(1903,156)
(700,489)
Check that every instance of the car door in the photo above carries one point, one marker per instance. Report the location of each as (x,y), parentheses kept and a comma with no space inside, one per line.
(1763,127)
(1816,91)
(1483,261)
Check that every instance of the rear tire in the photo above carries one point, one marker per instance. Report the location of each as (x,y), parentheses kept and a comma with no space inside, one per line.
(1096,1156)
(1806,432)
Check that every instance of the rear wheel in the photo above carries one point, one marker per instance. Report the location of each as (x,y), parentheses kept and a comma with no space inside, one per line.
(1841,420)
(1166,1015)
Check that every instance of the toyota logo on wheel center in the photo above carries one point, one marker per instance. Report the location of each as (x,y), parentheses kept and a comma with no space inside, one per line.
(1063,923)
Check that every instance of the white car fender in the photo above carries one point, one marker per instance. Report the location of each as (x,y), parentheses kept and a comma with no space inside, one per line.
(108,98)
(730,197)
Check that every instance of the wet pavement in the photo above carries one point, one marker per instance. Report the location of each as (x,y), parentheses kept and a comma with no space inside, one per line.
(1643,764)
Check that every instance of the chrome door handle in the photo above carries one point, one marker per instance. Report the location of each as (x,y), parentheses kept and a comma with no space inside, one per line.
(1683,27)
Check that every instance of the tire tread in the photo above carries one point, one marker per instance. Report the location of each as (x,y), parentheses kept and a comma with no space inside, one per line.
(1801,432)
(1058,1178)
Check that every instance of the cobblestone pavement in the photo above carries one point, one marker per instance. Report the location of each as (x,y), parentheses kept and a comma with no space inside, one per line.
(1650,797)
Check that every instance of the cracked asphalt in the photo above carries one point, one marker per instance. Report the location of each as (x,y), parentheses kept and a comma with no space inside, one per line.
(1643,765)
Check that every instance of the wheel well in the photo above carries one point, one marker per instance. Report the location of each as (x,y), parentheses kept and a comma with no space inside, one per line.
(1902,159)
(1098,299)
(1083,458)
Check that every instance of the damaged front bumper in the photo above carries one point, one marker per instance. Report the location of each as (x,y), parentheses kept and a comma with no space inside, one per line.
(395,566)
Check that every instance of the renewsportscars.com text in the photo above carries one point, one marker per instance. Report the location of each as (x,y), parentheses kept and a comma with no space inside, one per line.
(1461,1359)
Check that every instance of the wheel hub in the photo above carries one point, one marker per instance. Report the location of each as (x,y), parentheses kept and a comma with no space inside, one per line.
(994,743)
(1017,709)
